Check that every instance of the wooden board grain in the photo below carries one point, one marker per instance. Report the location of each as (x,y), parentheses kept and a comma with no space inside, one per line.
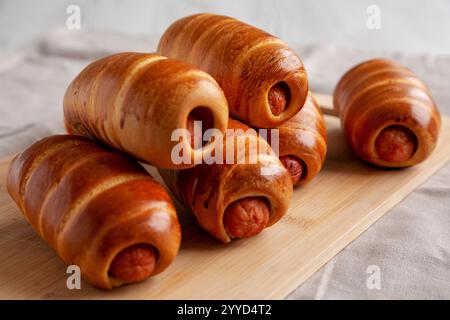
(325,216)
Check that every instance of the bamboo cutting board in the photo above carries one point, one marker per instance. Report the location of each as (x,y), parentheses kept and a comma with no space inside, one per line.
(325,216)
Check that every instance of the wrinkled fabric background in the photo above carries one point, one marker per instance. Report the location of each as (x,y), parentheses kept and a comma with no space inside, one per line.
(410,245)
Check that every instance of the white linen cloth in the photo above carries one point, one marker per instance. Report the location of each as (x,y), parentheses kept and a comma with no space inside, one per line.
(410,245)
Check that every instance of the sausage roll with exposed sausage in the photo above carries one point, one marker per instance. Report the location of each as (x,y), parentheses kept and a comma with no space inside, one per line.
(388,115)
(240,197)
(96,208)
(263,79)
(303,142)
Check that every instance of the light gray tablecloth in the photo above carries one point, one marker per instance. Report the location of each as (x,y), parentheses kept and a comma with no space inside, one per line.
(410,246)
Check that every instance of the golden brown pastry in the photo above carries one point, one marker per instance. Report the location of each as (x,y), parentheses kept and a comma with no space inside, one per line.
(263,79)
(239,199)
(96,208)
(303,142)
(388,114)
(134,102)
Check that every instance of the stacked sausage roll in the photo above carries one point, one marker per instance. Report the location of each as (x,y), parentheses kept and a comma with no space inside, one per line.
(263,79)
(303,142)
(134,102)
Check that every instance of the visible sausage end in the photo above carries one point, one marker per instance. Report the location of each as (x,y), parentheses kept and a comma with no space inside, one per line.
(278,98)
(246,217)
(134,263)
(295,166)
(396,144)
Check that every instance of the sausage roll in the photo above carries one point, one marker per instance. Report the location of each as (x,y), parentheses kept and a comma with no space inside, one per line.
(388,114)
(263,79)
(303,142)
(96,208)
(250,191)
(134,102)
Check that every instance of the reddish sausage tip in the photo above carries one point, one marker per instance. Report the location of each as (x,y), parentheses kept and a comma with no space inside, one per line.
(278,98)
(396,144)
(295,166)
(246,217)
(134,263)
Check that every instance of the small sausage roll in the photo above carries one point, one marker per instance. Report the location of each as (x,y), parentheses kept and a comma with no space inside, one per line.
(388,114)
(134,102)
(96,208)
(239,198)
(263,79)
(303,142)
